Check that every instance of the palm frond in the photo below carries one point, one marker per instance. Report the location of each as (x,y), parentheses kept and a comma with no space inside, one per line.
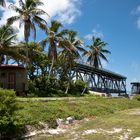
(21,3)
(11,20)
(38,12)
(86,53)
(44,42)
(103,57)
(55,25)
(81,49)
(12,37)
(106,51)
(40,22)
(16,9)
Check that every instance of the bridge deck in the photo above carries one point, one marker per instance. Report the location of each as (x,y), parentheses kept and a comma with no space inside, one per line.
(103,72)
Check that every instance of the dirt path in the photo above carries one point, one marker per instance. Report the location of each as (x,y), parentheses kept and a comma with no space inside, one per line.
(123,125)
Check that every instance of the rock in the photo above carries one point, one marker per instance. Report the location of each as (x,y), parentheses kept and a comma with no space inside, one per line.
(70,119)
(60,121)
(67,122)
(43,125)
(29,128)
(56,131)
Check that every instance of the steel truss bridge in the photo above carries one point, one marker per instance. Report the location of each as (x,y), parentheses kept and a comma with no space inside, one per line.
(99,80)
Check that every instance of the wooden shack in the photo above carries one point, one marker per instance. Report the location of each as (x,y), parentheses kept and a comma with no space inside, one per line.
(135,89)
(13,77)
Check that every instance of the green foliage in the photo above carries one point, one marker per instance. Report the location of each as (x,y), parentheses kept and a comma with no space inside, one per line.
(42,87)
(81,107)
(80,85)
(9,126)
(137,97)
(96,52)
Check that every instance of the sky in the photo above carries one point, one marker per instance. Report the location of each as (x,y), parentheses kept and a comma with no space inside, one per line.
(117,22)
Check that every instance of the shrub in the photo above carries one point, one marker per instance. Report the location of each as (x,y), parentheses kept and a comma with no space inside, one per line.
(8,121)
(41,86)
(80,85)
(137,97)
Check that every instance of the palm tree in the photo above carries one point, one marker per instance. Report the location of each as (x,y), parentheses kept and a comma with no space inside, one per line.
(7,44)
(53,37)
(71,45)
(35,57)
(29,16)
(96,52)
(2,3)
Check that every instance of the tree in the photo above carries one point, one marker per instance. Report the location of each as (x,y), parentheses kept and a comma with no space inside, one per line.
(29,16)
(37,59)
(53,38)
(71,45)
(7,44)
(96,52)
(2,3)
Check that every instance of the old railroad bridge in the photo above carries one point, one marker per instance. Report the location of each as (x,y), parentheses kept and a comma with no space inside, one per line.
(99,80)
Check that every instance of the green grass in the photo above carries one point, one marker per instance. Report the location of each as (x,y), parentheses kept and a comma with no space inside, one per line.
(117,120)
(35,111)
(121,119)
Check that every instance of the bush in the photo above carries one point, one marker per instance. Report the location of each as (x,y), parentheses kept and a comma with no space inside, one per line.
(77,87)
(8,121)
(137,97)
(80,85)
(42,87)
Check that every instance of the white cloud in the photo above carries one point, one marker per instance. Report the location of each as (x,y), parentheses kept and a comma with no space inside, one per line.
(96,32)
(136,11)
(138,22)
(88,36)
(65,11)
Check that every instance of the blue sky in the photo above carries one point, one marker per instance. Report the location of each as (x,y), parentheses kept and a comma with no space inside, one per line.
(117,22)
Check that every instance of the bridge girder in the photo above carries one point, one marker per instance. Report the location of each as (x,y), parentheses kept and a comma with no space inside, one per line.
(100,81)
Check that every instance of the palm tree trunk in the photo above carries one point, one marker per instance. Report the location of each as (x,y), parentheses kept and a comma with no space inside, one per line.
(26,61)
(67,88)
(50,71)
(84,90)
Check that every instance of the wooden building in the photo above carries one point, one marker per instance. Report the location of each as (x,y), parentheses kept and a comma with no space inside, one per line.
(135,88)
(13,77)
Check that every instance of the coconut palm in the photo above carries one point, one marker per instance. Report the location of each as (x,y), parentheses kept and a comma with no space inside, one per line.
(53,37)
(7,44)
(28,15)
(96,52)
(71,45)
(2,3)
(36,58)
